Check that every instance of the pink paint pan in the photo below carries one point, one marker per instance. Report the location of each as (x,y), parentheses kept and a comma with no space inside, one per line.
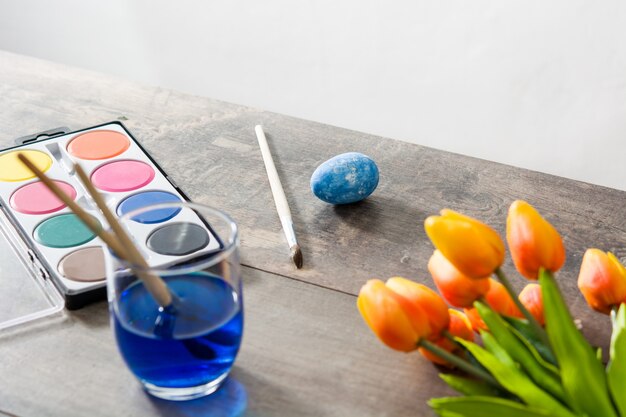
(35,198)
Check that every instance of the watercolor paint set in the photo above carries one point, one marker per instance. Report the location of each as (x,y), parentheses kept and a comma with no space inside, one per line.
(51,243)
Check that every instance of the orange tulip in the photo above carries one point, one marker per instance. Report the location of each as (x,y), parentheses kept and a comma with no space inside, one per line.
(384,312)
(460,326)
(602,280)
(426,299)
(477,322)
(457,289)
(499,300)
(534,243)
(472,247)
(533,301)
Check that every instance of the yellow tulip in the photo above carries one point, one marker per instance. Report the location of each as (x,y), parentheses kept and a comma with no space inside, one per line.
(474,248)
(385,313)
(602,280)
(534,243)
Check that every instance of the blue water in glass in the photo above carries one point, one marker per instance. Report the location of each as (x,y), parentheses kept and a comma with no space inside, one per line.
(189,345)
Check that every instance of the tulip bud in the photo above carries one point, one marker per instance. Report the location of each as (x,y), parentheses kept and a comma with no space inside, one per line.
(472,247)
(460,326)
(602,280)
(532,300)
(534,243)
(457,289)
(499,300)
(382,309)
(426,299)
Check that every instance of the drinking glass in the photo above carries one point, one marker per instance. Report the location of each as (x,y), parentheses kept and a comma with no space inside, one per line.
(185,350)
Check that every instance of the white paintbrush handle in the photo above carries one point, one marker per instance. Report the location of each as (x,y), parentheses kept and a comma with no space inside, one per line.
(277,188)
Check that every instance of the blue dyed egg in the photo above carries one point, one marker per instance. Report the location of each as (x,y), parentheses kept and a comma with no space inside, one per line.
(345,178)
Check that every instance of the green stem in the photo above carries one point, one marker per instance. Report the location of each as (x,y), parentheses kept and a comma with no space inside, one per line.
(539,331)
(450,337)
(458,362)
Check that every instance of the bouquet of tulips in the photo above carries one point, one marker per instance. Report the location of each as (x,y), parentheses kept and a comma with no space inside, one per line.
(533,361)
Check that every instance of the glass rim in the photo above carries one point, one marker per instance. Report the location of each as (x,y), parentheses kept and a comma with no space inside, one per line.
(229,245)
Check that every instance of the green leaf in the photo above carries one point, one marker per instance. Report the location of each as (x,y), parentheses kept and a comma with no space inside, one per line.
(549,366)
(529,335)
(616,370)
(582,374)
(505,370)
(543,373)
(445,413)
(492,345)
(468,386)
(477,406)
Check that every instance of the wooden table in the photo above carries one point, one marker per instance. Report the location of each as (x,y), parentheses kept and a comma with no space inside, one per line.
(306,350)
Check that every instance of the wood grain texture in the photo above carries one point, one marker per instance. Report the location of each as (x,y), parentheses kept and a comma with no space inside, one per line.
(306,352)
(209,148)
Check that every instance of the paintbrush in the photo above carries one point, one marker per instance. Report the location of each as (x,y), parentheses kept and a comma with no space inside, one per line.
(279,198)
(118,240)
(155,285)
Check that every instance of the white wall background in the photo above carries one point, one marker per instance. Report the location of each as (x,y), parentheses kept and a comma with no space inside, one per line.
(534,83)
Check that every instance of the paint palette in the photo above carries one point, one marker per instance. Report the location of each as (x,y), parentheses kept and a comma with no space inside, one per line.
(55,245)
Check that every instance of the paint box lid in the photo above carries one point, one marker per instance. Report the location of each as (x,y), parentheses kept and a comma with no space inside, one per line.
(26,291)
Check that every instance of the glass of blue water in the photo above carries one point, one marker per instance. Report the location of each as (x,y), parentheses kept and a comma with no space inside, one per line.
(184,350)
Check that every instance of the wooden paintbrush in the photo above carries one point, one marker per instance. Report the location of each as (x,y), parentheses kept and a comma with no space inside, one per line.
(118,241)
(155,285)
(279,198)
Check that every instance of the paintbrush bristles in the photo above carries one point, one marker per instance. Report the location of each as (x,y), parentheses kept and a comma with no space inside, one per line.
(296,256)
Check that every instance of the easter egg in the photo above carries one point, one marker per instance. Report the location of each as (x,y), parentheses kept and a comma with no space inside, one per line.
(345,178)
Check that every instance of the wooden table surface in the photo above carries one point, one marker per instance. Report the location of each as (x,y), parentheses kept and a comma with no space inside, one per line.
(306,350)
